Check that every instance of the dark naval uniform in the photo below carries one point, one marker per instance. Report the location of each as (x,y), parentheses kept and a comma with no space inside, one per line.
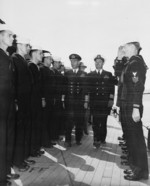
(47,89)
(133,88)
(36,109)
(59,89)
(6,116)
(119,69)
(74,104)
(100,89)
(23,118)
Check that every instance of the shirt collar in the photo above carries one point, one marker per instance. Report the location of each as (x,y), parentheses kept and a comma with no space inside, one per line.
(75,70)
(99,71)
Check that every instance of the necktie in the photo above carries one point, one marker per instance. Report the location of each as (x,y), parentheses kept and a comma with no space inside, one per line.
(99,73)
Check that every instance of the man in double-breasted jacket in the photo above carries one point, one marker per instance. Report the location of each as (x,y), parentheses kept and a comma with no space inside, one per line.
(75,98)
(101,91)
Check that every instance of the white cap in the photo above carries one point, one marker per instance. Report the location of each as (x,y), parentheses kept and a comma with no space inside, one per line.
(23,40)
(36,47)
(56,58)
(47,54)
(5,27)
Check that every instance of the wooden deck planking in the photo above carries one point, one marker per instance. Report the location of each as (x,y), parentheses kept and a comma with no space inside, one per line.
(86,166)
(68,158)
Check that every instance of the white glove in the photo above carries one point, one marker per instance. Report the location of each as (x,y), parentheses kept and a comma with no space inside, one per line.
(136,115)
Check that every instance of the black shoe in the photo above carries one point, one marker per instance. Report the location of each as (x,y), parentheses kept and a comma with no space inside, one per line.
(29,162)
(67,144)
(35,154)
(24,167)
(53,142)
(85,131)
(122,144)
(96,144)
(123,157)
(124,148)
(125,163)
(61,138)
(8,183)
(128,171)
(120,138)
(103,142)
(135,177)
(125,151)
(41,152)
(13,176)
(78,143)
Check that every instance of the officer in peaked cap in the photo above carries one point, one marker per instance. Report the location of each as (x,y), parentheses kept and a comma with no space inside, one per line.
(74,101)
(101,99)
(99,57)
(75,56)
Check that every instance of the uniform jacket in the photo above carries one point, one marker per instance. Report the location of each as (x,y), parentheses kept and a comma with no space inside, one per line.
(6,114)
(76,85)
(36,93)
(100,87)
(23,76)
(47,83)
(134,80)
(6,76)
(59,86)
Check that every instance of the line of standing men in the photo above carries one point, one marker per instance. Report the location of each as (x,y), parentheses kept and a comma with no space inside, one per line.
(131,69)
(28,96)
(39,104)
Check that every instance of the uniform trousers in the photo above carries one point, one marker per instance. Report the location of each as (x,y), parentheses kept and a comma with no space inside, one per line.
(23,130)
(6,136)
(36,126)
(74,118)
(48,122)
(136,142)
(100,113)
(122,118)
(57,125)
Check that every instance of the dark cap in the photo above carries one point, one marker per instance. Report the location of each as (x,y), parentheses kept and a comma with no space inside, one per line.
(99,57)
(75,56)
(82,65)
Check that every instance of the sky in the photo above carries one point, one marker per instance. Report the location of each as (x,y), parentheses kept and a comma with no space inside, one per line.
(85,27)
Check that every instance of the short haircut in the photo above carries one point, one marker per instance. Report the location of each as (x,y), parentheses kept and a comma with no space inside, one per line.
(136,44)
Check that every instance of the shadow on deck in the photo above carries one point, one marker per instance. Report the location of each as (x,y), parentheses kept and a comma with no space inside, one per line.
(80,165)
